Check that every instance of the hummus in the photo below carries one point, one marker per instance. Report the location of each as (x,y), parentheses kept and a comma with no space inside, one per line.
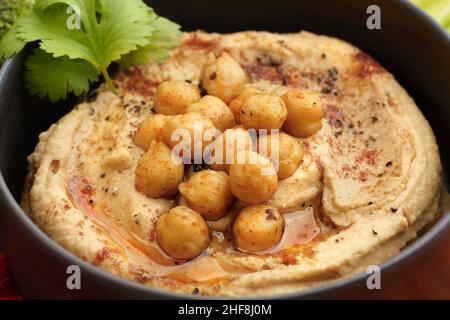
(368,183)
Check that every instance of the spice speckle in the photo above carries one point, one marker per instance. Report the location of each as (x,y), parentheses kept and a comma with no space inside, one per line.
(270,214)
(213,76)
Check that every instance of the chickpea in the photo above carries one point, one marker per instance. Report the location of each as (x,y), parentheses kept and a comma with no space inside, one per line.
(284,152)
(263,111)
(157,175)
(216,110)
(252,177)
(195,131)
(258,228)
(208,193)
(235,104)
(193,169)
(305,113)
(182,233)
(223,77)
(173,97)
(229,144)
(149,130)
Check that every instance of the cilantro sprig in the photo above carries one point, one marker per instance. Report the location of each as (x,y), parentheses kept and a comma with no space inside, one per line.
(70,58)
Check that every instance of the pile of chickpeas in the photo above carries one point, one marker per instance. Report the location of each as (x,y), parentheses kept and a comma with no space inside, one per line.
(207,195)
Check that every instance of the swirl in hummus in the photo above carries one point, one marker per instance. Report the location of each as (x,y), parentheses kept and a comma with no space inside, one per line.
(368,180)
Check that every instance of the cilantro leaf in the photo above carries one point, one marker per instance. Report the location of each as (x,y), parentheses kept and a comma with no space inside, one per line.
(122,27)
(10,11)
(10,44)
(86,35)
(164,39)
(55,77)
(49,27)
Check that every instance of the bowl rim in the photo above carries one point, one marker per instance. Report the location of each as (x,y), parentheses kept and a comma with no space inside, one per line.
(421,243)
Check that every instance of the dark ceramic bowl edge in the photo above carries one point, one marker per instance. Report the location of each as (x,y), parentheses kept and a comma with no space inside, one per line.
(419,245)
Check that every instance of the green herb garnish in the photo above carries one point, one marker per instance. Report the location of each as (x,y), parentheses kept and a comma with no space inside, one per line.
(438,9)
(10,10)
(79,39)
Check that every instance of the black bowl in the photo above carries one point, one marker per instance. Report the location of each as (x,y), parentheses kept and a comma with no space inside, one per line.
(410,45)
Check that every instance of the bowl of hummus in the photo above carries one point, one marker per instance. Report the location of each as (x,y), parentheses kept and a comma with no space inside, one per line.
(248,164)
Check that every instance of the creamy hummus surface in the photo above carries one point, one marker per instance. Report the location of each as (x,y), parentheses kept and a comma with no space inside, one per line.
(369,180)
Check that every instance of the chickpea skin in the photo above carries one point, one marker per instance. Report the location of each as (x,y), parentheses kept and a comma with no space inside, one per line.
(229,144)
(216,110)
(182,233)
(193,129)
(284,151)
(223,77)
(253,178)
(208,193)
(149,130)
(193,169)
(173,97)
(157,175)
(263,111)
(305,113)
(258,228)
(235,104)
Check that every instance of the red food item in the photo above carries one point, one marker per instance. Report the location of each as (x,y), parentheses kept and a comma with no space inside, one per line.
(7,291)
